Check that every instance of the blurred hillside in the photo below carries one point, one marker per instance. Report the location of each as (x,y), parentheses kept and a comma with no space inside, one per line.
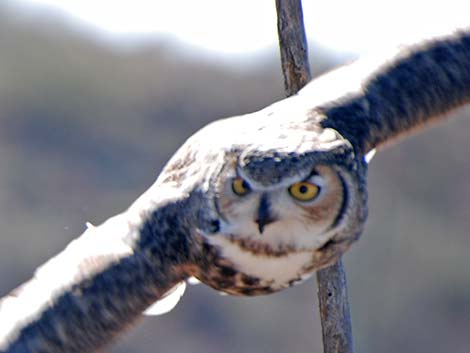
(85,127)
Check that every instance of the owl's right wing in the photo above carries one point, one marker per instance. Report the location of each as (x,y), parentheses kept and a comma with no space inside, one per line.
(379,98)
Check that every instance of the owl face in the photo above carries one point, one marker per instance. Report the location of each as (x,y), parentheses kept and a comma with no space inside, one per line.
(295,213)
(271,231)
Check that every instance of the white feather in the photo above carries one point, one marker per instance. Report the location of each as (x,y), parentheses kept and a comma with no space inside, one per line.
(168,302)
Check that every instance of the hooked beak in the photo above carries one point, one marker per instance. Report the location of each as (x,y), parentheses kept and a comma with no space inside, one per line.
(264,216)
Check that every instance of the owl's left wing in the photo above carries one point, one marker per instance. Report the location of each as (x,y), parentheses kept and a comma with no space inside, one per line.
(95,288)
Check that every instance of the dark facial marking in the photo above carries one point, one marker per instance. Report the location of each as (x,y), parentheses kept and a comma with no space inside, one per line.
(215,226)
(344,203)
(264,214)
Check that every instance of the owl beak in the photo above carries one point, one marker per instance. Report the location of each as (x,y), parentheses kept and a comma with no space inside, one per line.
(264,216)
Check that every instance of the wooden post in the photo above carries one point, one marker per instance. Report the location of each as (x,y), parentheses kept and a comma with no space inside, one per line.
(293,45)
(334,309)
(332,285)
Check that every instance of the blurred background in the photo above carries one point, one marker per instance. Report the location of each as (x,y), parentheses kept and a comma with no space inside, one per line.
(90,111)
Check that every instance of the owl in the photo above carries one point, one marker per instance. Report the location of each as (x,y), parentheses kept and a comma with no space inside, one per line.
(276,199)
(248,205)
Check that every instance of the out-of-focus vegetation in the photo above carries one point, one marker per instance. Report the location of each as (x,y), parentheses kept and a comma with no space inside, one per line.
(85,127)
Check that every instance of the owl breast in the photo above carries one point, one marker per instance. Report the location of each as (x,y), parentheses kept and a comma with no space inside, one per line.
(275,269)
(231,268)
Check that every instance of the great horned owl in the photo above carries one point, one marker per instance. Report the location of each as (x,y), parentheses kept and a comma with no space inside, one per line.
(248,205)
(272,199)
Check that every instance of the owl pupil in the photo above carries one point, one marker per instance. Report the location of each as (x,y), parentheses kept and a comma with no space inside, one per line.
(303,189)
(245,185)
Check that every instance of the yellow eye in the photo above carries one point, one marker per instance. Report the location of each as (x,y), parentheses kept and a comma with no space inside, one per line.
(304,191)
(240,187)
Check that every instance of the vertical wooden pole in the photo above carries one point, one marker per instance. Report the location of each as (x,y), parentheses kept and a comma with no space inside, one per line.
(332,285)
(293,45)
(334,309)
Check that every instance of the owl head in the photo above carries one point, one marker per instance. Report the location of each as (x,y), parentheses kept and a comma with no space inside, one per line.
(276,198)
